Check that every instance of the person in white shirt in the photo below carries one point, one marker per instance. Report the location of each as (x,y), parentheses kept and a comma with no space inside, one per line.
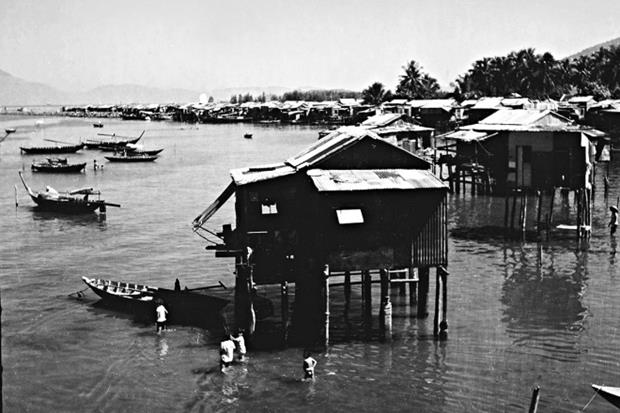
(227,351)
(240,344)
(309,364)
(161,317)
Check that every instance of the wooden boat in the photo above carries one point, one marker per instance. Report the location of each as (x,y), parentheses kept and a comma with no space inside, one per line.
(72,202)
(248,136)
(611,394)
(97,125)
(184,306)
(112,141)
(52,149)
(133,149)
(59,165)
(128,157)
(10,130)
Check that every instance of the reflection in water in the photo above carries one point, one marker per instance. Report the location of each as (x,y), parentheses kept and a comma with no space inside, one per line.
(539,304)
(162,347)
(70,221)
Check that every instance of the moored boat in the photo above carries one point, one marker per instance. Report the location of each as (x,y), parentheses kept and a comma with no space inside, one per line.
(247,136)
(611,394)
(51,149)
(184,306)
(72,202)
(10,130)
(97,125)
(128,157)
(59,165)
(112,141)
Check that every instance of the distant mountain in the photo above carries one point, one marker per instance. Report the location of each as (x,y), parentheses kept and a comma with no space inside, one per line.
(18,92)
(592,49)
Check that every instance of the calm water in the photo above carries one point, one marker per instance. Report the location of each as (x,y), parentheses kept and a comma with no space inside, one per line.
(519,316)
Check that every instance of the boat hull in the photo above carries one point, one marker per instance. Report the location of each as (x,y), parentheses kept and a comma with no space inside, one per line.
(611,394)
(184,307)
(66,206)
(136,158)
(62,168)
(51,149)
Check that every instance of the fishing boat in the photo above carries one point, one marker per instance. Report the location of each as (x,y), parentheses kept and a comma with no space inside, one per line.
(10,130)
(128,157)
(76,201)
(59,165)
(51,149)
(136,149)
(97,125)
(247,136)
(184,306)
(112,141)
(611,394)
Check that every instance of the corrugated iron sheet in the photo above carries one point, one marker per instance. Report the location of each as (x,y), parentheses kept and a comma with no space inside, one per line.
(374,179)
(467,135)
(382,119)
(517,117)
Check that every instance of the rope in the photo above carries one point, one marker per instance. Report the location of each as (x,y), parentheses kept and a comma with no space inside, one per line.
(78,294)
(592,398)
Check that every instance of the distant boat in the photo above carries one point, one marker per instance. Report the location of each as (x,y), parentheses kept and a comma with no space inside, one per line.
(10,130)
(125,157)
(112,142)
(133,149)
(97,125)
(72,202)
(248,136)
(611,394)
(51,149)
(58,165)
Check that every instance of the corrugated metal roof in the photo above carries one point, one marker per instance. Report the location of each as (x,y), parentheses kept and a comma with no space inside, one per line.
(244,176)
(515,117)
(374,180)
(467,135)
(446,104)
(332,143)
(488,103)
(383,119)
(580,99)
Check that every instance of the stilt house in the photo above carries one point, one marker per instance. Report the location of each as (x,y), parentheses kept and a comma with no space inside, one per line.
(349,202)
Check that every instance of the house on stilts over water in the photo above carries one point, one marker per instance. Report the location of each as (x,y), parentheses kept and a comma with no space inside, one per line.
(350,206)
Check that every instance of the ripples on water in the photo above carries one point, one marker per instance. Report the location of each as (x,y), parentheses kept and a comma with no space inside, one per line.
(520,314)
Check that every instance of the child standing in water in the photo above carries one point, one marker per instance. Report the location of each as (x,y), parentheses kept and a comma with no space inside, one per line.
(309,364)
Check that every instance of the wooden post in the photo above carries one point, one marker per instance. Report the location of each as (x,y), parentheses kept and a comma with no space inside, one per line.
(423,274)
(284,311)
(436,317)
(443,326)
(579,211)
(534,401)
(386,306)
(16,203)
(523,214)
(251,315)
(550,217)
(367,286)
(538,211)
(402,289)
(241,295)
(326,303)
(413,286)
(473,182)
(347,286)
(457,181)
(512,214)
(506,210)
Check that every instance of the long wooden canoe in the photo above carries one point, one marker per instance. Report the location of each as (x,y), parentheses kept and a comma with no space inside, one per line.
(611,394)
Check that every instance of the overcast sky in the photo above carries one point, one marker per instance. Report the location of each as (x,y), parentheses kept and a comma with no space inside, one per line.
(202,44)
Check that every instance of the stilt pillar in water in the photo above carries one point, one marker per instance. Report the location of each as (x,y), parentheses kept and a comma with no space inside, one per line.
(386,306)
(423,292)
(284,311)
(443,325)
(413,286)
(578,198)
(347,287)
(512,213)
(402,288)
(244,310)
(457,180)
(326,304)
(367,287)
(538,211)
(436,315)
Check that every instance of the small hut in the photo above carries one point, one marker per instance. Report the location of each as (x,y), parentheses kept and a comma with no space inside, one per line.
(349,205)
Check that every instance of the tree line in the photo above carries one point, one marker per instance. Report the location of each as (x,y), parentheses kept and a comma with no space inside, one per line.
(524,72)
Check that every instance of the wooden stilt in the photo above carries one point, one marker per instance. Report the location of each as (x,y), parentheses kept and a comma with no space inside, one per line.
(506,210)
(251,314)
(457,181)
(436,315)
(538,211)
(284,311)
(550,220)
(534,402)
(386,306)
(347,287)
(413,287)
(367,286)
(579,211)
(523,214)
(402,289)
(423,292)
(512,214)
(443,326)
(326,303)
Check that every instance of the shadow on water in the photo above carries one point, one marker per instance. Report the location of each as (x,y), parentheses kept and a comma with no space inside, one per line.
(72,219)
(542,299)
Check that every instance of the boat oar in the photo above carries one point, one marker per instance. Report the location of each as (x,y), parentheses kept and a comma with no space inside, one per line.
(55,141)
(112,205)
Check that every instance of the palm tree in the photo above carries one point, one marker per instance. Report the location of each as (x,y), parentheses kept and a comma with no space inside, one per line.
(414,84)
(375,94)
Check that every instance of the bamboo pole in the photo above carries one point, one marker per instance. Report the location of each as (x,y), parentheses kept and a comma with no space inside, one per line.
(326,303)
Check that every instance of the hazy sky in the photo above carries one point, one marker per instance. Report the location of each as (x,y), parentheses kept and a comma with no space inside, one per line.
(202,44)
